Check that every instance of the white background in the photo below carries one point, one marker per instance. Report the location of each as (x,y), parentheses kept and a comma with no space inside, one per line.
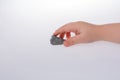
(26,53)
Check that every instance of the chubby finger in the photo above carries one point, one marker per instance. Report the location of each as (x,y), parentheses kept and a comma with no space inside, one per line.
(60,30)
(66,28)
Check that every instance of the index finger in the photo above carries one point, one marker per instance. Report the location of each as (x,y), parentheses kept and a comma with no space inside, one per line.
(66,28)
(60,30)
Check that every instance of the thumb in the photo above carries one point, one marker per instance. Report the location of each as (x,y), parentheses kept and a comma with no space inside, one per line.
(72,41)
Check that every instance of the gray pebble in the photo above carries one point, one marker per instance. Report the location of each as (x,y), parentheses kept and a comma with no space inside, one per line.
(56,40)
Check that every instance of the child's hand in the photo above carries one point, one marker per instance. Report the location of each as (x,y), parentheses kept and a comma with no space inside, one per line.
(84,33)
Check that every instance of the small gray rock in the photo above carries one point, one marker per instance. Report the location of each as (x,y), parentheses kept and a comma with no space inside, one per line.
(56,40)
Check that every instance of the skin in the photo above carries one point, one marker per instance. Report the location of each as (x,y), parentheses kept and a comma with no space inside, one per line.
(87,32)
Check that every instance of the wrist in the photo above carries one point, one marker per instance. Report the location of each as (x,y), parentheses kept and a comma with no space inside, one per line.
(100,32)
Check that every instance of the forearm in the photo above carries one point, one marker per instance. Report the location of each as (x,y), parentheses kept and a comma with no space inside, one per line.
(109,32)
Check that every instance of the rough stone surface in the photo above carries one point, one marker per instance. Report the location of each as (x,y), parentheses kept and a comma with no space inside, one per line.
(56,40)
